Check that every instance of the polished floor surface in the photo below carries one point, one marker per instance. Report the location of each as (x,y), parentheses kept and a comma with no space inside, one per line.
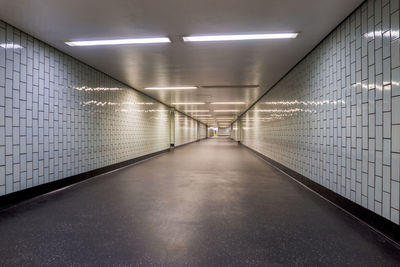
(212,203)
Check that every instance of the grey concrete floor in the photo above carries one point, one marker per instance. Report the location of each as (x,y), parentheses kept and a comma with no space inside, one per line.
(211,203)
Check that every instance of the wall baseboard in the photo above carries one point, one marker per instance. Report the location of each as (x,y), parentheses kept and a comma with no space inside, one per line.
(25,194)
(379,223)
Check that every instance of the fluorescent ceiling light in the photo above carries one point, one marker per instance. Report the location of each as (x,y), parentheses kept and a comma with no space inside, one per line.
(239,37)
(189,103)
(226,110)
(172,88)
(228,103)
(231,86)
(121,41)
(197,110)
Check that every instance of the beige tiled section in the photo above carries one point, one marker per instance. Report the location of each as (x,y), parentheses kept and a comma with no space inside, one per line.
(203,131)
(335,117)
(185,129)
(234,131)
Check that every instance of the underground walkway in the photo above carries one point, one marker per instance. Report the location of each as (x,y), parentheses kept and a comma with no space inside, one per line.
(211,203)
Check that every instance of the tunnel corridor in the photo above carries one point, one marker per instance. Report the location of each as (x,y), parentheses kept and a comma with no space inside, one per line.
(200,133)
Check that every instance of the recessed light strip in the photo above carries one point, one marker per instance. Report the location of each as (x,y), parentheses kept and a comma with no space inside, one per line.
(189,103)
(231,86)
(228,103)
(172,88)
(226,110)
(197,110)
(155,40)
(239,37)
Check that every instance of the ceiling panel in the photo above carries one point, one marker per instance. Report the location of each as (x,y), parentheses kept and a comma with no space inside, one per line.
(223,64)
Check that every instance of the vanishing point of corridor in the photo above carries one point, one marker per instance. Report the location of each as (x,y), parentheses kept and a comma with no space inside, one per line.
(210,203)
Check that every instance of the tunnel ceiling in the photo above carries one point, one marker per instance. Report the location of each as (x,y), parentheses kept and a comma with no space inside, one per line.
(224,71)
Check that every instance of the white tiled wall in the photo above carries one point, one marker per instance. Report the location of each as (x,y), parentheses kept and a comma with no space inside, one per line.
(59,117)
(234,131)
(203,131)
(335,118)
(185,129)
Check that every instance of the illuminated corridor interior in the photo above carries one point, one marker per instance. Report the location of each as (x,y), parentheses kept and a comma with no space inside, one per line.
(200,133)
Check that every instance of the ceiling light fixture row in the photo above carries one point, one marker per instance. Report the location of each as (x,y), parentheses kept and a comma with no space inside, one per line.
(226,110)
(213,103)
(228,103)
(188,103)
(172,88)
(199,38)
(207,87)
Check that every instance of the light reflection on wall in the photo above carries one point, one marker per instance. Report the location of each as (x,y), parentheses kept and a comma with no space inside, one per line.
(185,129)
(10,46)
(70,118)
(90,89)
(293,110)
(374,34)
(306,103)
(234,131)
